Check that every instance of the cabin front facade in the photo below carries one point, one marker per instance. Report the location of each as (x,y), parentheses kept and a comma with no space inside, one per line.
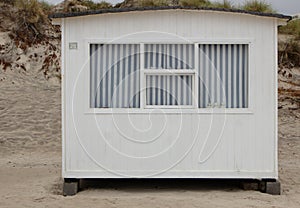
(169,93)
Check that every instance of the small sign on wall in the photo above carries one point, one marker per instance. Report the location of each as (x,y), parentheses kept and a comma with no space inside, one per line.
(73,46)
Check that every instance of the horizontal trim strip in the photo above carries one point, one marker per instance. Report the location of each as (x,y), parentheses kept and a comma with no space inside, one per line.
(170,111)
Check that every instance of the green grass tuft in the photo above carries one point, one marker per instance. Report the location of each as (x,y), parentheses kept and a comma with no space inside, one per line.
(292,28)
(96,6)
(258,6)
(226,5)
(195,3)
(152,3)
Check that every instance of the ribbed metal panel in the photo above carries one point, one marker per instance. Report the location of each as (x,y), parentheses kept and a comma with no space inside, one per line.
(114,75)
(170,90)
(115,80)
(169,56)
(223,75)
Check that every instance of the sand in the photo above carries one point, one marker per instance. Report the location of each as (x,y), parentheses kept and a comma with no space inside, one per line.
(30,161)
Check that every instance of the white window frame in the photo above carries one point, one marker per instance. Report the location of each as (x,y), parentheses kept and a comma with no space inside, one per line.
(188,72)
(170,109)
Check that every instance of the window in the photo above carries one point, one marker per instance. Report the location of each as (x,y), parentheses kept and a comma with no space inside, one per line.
(169,75)
(114,76)
(223,75)
(169,70)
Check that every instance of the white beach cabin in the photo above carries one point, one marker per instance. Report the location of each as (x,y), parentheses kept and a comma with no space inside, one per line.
(169,92)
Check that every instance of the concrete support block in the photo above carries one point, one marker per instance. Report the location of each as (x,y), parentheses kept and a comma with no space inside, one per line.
(272,187)
(71,187)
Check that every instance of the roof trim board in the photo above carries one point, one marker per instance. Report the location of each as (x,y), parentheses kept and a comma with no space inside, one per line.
(133,9)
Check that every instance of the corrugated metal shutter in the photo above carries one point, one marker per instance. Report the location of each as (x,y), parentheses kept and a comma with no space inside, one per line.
(115,79)
(114,75)
(223,75)
(169,56)
(169,90)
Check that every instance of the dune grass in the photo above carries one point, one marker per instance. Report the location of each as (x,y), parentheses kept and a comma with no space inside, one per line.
(152,3)
(292,28)
(96,5)
(225,4)
(195,3)
(258,6)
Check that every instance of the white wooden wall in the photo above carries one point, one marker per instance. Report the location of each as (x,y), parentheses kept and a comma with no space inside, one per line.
(236,143)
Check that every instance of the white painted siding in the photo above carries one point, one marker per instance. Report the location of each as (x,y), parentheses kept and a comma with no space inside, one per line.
(204,143)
